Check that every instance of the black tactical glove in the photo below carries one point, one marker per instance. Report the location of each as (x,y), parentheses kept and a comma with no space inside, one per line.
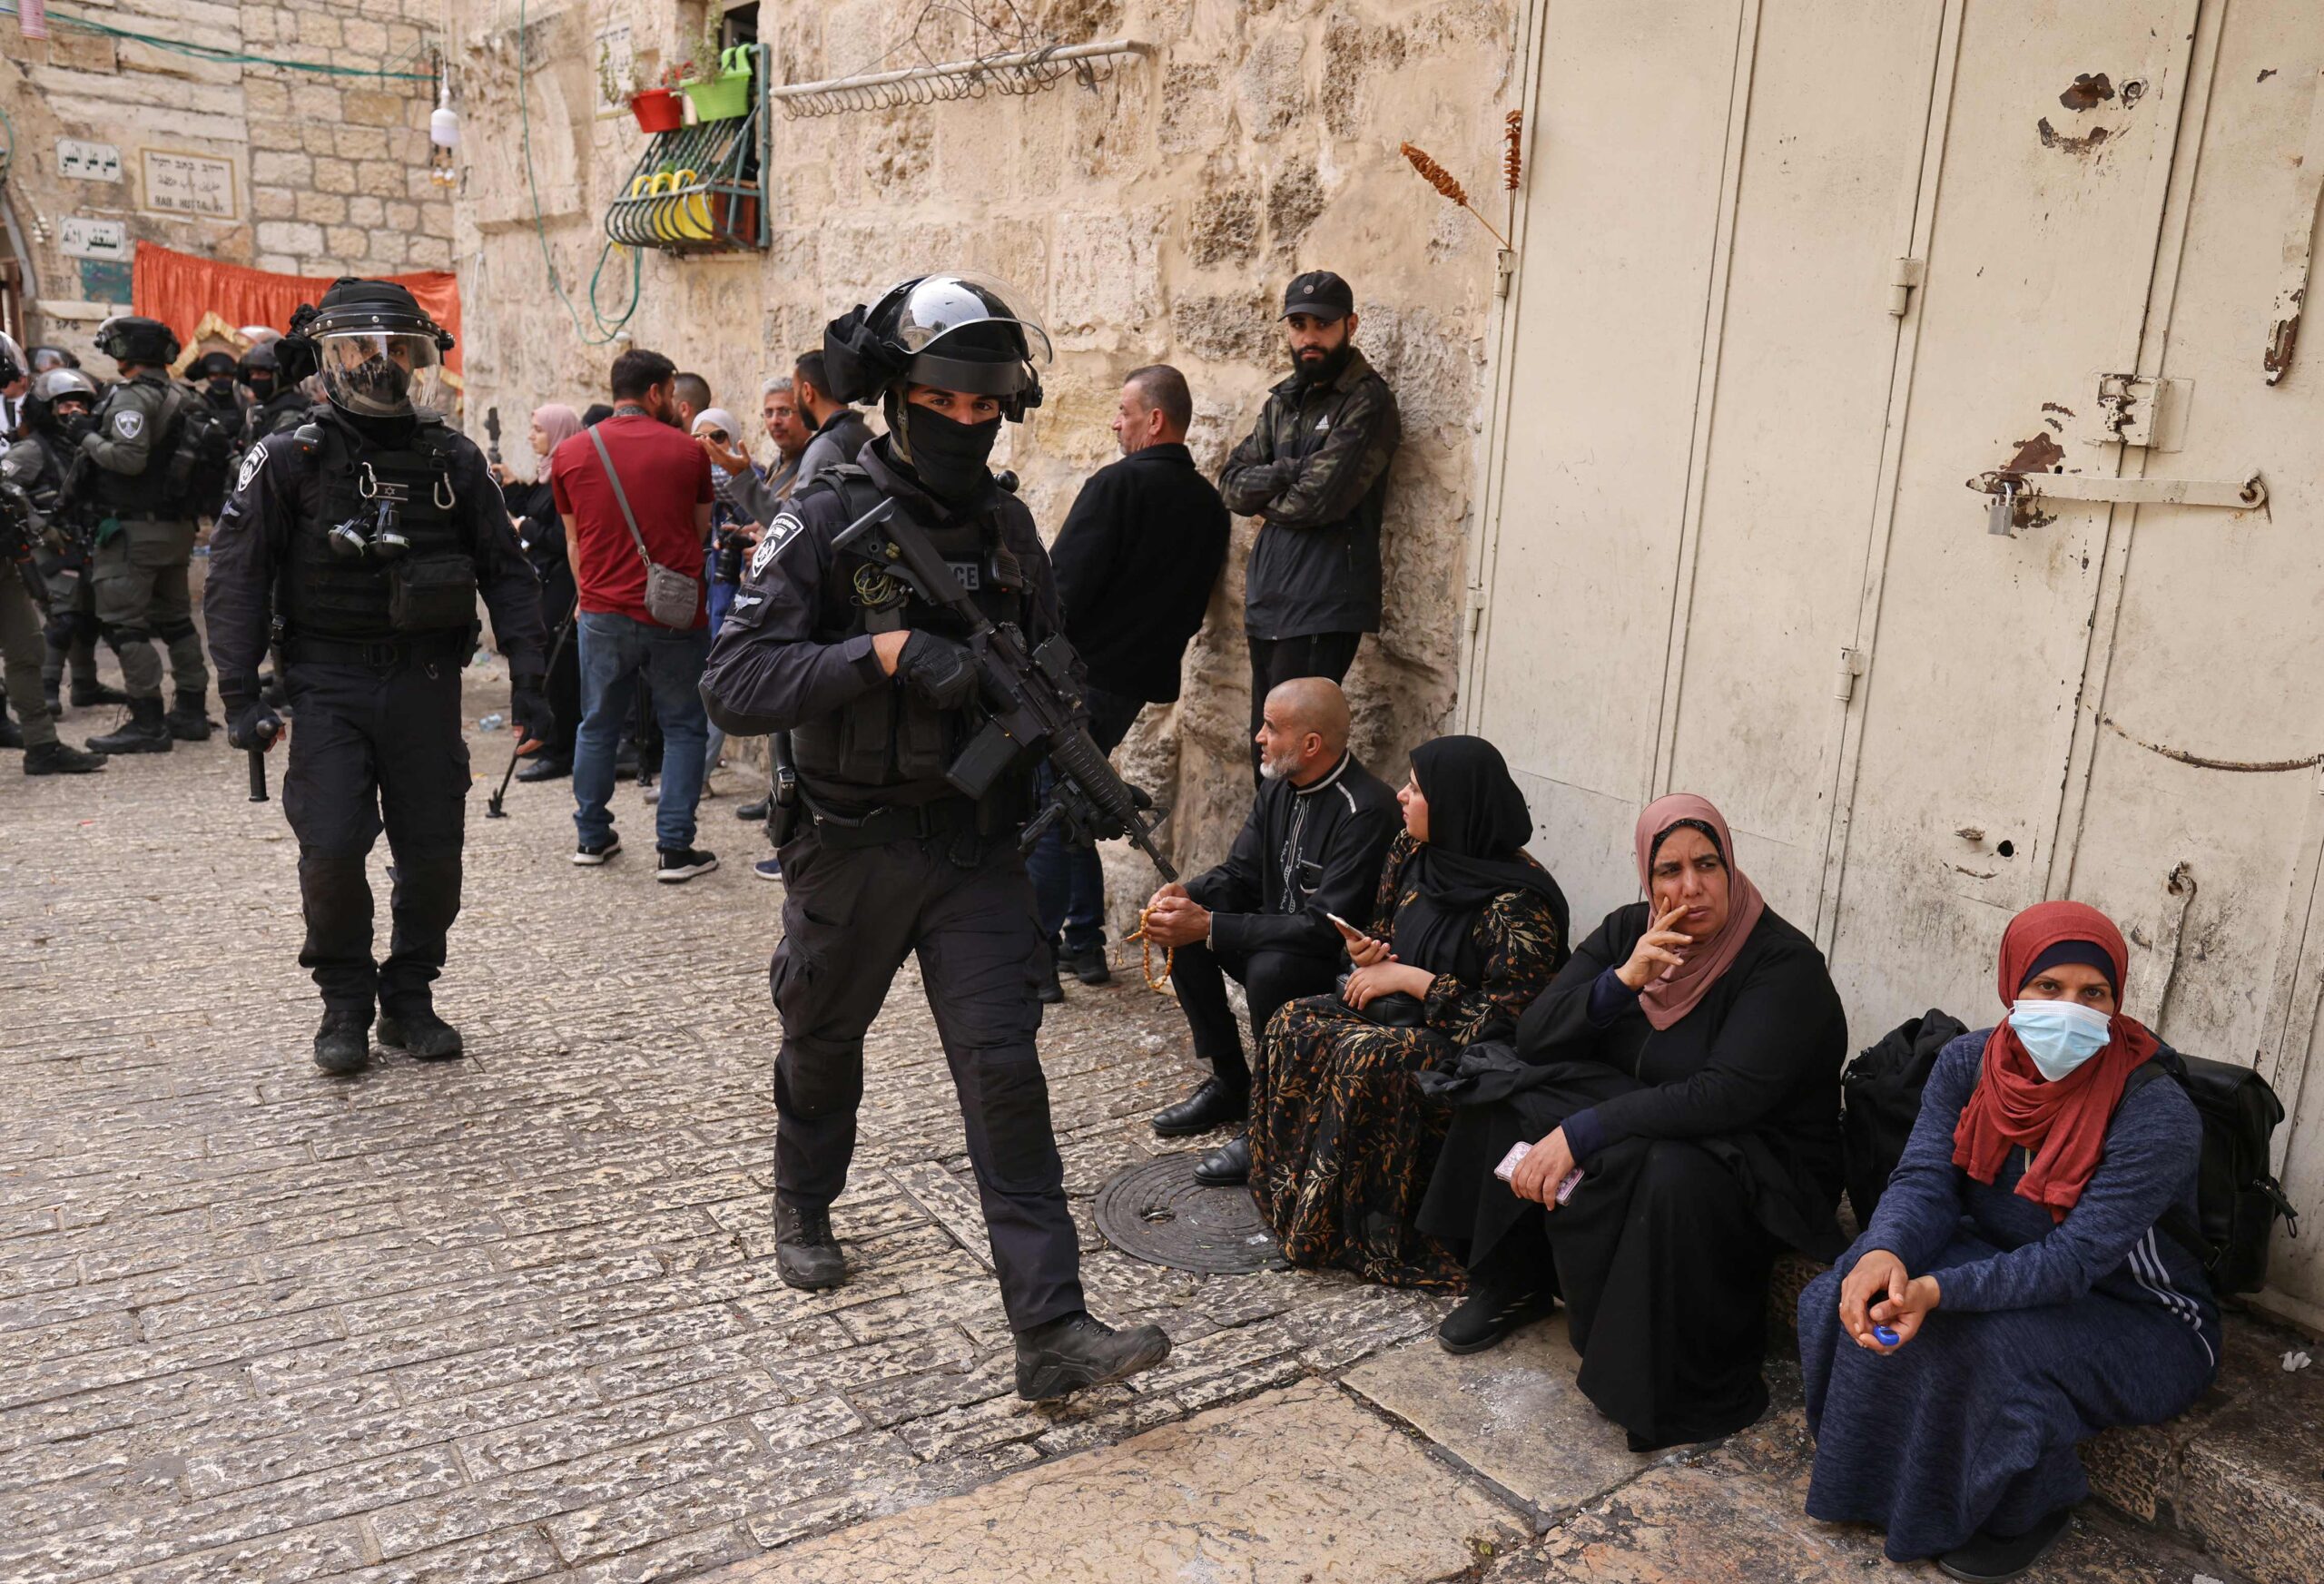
(941,671)
(253,725)
(535,722)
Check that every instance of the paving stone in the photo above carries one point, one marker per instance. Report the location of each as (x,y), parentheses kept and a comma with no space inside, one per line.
(1291,1484)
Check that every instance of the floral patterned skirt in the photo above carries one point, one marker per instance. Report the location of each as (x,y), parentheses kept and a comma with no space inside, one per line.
(1342,1143)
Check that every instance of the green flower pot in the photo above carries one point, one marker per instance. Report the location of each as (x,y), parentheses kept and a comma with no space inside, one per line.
(726,95)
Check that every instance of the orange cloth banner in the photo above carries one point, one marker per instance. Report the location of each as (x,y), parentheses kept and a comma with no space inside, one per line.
(193,295)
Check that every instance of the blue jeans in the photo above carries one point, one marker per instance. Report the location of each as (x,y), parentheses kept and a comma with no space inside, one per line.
(722,600)
(616,650)
(1069,882)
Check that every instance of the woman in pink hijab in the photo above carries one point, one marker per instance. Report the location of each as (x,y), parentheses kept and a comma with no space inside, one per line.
(532,508)
(1676,1090)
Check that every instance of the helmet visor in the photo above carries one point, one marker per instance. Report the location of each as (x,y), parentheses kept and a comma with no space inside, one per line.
(383,373)
(964,333)
(12,357)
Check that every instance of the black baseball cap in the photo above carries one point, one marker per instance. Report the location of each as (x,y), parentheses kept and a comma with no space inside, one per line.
(1320,294)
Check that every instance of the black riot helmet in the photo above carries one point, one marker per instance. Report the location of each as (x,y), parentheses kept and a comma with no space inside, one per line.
(47,358)
(57,388)
(132,337)
(957,332)
(214,366)
(261,370)
(13,366)
(379,354)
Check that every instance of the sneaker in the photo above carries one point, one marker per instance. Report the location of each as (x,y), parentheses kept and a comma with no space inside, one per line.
(680,864)
(1489,1313)
(1064,1356)
(592,853)
(1087,965)
(768,869)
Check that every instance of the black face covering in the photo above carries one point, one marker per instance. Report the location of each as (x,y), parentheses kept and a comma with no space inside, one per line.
(261,385)
(948,456)
(1323,370)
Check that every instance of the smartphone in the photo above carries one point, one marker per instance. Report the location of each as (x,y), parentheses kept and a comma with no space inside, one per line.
(1342,923)
(1508,1167)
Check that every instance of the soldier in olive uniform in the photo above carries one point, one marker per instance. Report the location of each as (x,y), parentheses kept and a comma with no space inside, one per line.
(21,528)
(56,415)
(146,535)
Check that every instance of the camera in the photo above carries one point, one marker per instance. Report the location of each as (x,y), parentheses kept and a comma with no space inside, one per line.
(726,556)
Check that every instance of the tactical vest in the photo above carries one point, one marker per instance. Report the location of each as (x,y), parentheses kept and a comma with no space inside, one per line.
(326,595)
(142,494)
(892,745)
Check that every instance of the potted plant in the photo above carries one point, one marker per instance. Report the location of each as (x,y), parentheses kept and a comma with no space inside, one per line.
(717,81)
(651,96)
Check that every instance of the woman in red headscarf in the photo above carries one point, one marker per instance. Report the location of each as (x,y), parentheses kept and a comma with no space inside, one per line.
(2017,1291)
(1685,1064)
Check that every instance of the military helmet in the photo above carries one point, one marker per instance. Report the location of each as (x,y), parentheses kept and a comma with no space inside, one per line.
(13,366)
(132,337)
(379,354)
(213,366)
(48,389)
(260,358)
(954,330)
(47,358)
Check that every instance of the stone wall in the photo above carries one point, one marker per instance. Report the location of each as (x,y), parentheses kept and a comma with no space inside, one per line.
(1155,217)
(329,173)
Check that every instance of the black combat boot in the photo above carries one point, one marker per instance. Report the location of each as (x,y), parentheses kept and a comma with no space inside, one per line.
(145,731)
(89,695)
(58,759)
(418,1031)
(1060,1357)
(806,1254)
(1088,965)
(343,1044)
(51,697)
(189,721)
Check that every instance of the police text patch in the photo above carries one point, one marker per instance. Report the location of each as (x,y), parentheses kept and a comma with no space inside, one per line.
(251,465)
(779,533)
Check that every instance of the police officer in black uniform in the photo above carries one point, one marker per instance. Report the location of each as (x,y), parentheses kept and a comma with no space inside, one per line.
(276,403)
(364,537)
(886,859)
(57,413)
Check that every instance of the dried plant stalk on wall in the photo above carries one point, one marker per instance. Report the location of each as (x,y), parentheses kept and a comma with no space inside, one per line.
(1443,180)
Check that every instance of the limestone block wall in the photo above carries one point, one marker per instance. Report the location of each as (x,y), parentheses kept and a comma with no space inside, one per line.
(327,174)
(1155,217)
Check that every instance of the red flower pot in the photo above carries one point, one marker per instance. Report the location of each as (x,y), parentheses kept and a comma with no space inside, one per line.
(658,110)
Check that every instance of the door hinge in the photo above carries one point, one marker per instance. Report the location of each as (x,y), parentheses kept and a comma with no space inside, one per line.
(1852,664)
(1909,275)
(1476,609)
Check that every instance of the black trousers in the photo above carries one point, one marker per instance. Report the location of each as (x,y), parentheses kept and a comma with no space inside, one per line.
(1269,979)
(1274,660)
(374,750)
(850,917)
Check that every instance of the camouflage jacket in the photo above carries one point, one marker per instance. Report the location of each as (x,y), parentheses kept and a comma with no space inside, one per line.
(1315,470)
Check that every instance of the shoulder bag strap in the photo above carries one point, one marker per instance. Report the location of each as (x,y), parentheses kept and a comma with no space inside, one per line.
(620,498)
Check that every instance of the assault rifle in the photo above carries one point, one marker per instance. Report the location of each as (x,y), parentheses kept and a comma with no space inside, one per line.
(17,542)
(1029,699)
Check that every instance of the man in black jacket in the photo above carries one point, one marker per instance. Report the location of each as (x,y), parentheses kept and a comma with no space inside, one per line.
(1315,470)
(1312,847)
(1136,562)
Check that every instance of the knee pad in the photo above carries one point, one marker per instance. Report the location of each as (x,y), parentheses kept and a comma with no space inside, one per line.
(176,632)
(120,638)
(60,630)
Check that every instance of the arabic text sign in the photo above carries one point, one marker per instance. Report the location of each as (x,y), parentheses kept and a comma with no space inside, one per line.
(189,184)
(85,161)
(79,237)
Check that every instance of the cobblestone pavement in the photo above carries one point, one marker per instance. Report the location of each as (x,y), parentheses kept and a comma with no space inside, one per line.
(516,1316)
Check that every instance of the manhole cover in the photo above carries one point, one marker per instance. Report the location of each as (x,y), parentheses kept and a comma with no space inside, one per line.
(1157,1211)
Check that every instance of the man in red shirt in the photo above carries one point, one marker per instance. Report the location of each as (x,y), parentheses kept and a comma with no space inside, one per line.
(664,477)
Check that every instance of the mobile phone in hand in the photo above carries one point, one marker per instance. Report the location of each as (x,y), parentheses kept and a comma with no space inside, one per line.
(1508,1167)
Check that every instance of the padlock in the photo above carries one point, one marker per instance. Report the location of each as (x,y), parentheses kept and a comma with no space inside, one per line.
(2000,517)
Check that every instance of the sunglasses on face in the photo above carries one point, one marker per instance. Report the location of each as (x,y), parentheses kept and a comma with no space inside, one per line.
(717,435)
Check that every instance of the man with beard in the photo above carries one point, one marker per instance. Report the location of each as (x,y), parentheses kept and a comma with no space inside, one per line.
(1314,471)
(884,857)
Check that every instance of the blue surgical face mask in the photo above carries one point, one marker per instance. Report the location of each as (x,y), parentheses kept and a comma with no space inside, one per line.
(2060,1035)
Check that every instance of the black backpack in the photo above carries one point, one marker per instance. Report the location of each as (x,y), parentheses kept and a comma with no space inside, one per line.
(2237,1202)
(201,459)
(1880,1098)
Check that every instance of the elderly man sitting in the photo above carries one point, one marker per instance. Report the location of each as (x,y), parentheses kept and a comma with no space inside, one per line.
(1312,847)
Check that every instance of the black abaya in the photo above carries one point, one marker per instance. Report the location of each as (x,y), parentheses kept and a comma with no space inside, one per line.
(1720,1148)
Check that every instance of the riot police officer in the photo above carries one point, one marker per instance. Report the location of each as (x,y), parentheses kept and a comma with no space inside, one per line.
(57,413)
(363,539)
(142,493)
(275,404)
(885,859)
(22,530)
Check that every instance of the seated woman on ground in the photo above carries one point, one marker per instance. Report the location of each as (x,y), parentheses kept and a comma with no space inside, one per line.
(2015,1293)
(1685,1064)
(1467,931)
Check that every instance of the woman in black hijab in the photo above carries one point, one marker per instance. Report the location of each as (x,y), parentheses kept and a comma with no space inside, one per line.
(1467,929)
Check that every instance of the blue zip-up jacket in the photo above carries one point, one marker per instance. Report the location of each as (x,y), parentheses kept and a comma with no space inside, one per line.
(2109,1243)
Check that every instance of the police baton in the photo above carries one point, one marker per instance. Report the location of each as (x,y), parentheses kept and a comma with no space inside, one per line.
(493,809)
(258,763)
